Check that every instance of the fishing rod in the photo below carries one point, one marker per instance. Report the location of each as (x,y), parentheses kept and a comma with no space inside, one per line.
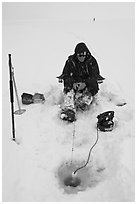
(11,97)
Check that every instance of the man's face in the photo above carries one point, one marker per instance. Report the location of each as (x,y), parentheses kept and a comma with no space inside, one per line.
(81,56)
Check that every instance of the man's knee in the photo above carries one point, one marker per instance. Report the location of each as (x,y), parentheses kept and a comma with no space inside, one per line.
(66,90)
(68,85)
(93,87)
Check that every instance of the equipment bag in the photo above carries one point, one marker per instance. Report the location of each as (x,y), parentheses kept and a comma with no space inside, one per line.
(38,98)
(105,121)
(27,98)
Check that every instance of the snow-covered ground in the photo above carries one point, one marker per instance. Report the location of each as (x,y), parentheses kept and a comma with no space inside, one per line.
(39,38)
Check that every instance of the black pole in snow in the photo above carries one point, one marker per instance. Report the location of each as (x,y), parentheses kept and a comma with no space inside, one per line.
(11,97)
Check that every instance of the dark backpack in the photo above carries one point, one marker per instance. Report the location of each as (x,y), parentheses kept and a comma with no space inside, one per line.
(27,98)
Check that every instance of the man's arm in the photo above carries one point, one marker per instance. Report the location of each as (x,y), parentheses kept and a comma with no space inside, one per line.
(94,71)
(95,68)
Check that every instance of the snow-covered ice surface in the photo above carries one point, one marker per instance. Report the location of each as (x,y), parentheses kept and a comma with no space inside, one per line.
(39,49)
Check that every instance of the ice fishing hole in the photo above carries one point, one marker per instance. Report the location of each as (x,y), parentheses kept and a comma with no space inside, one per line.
(87,177)
(72,181)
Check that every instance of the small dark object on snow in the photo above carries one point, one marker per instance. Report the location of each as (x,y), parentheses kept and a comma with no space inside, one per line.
(105,121)
(72,181)
(68,115)
(27,98)
(121,104)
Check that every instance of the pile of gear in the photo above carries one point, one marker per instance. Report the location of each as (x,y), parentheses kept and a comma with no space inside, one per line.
(29,98)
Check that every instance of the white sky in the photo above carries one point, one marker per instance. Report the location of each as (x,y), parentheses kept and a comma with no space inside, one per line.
(67,11)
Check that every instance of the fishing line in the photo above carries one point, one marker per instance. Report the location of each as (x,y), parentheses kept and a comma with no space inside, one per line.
(88,154)
(73,137)
(73,133)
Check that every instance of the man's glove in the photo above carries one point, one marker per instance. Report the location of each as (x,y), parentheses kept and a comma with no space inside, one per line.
(79,86)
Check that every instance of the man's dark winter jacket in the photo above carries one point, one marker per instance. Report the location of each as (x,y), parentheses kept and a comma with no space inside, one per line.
(79,71)
(76,71)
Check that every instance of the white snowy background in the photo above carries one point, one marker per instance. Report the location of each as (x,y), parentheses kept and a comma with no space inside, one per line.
(40,37)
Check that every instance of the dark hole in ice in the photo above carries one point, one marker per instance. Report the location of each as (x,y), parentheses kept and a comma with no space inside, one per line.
(72,181)
(85,178)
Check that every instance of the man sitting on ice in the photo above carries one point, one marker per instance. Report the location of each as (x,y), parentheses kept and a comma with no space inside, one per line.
(81,77)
